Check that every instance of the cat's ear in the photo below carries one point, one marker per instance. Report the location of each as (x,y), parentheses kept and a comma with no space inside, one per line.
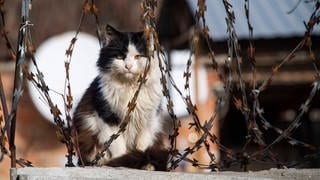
(106,33)
(139,35)
(111,31)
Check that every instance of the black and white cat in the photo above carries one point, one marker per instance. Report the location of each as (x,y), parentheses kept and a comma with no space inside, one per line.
(104,105)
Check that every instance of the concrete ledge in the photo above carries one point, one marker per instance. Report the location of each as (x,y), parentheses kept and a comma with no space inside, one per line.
(95,173)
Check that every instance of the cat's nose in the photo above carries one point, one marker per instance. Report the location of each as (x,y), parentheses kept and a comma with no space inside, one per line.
(128,66)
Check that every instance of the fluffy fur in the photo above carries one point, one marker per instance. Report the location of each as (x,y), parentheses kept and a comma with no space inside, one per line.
(104,105)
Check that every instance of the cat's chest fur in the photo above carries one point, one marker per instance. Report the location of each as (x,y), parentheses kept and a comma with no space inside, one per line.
(119,95)
(144,116)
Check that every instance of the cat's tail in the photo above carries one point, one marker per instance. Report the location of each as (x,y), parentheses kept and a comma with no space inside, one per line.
(152,159)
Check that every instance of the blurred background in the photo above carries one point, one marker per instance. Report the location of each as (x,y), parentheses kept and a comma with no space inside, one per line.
(276,31)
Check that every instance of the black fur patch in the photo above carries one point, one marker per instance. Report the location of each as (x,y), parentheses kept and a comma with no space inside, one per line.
(102,106)
(93,101)
(158,158)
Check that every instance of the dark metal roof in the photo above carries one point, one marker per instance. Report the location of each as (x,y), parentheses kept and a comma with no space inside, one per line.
(269,18)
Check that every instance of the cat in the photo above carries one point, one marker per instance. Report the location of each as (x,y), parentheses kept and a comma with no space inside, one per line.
(103,106)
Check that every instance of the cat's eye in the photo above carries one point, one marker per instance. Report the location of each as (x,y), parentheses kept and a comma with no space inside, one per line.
(139,56)
(120,56)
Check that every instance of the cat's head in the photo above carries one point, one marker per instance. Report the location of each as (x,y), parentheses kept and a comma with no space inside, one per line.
(123,54)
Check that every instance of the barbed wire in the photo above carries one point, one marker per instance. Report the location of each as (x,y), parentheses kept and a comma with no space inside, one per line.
(252,111)
(6,135)
(242,104)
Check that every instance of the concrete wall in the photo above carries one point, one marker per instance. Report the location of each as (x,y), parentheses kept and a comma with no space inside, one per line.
(94,173)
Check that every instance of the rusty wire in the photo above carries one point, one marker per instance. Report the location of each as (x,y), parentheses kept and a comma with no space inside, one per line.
(251,112)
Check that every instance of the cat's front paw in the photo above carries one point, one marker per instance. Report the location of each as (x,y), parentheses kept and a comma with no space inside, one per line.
(149,167)
(104,159)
